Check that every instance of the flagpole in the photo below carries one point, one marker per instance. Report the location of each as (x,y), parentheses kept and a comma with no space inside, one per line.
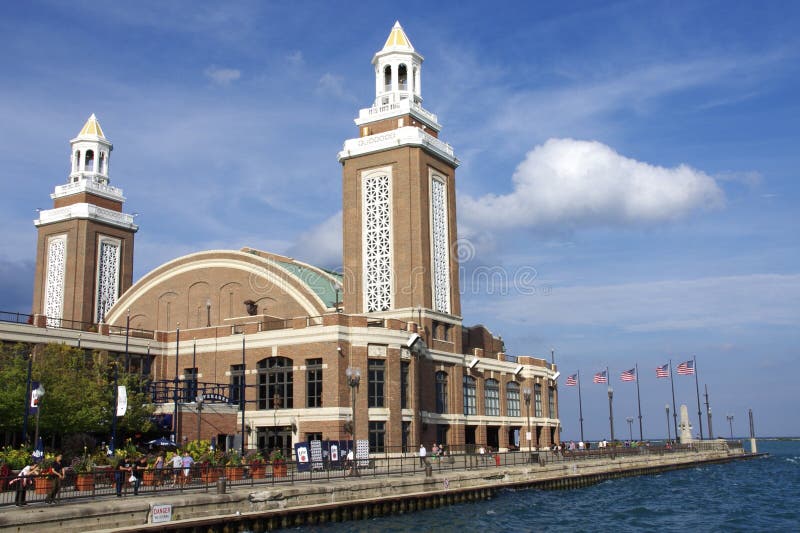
(697,387)
(674,410)
(639,401)
(580,404)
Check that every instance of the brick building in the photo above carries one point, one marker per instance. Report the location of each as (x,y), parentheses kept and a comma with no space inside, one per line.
(274,345)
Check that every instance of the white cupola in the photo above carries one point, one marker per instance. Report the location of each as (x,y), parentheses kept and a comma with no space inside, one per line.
(397,70)
(90,154)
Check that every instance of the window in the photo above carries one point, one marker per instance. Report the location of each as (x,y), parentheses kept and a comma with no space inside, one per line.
(88,165)
(375,380)
(441,392)
(491,396)
(551,403)
(441,433)
(102,166)
(313,382)
(469,395)
(189,384)
(387,78)
(377,431)
(236,393)
(512,399)
(275,383)
(76,164)
(404,437)
(537,400)
(313,436)
(404,366)
(402,77)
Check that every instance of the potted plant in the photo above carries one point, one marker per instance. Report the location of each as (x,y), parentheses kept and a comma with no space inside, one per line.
(44,481)
(278,461)
(84,468)
(210,464)
(258,468)
(234,468)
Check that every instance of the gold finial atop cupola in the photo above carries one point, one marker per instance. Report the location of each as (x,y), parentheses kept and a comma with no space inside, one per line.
(92,127)
(397,39)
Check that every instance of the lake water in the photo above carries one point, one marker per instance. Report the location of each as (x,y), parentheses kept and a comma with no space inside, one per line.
(755,495)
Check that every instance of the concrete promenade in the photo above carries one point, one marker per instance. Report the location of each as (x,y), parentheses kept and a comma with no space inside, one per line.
(268,507)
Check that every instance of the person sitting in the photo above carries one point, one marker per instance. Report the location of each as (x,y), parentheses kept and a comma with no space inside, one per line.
(21,482)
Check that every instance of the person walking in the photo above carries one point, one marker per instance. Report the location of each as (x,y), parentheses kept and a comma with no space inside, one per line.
(158,477)
(422,453)
(177,464)
(58,469)
(187,463)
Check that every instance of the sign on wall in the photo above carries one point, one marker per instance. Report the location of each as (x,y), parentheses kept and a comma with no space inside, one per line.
(160,513)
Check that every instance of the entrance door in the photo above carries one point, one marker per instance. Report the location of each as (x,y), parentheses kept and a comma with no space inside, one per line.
(493,437)
(274,437)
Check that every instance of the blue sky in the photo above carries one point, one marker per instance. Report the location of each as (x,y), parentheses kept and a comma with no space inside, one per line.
(628,168)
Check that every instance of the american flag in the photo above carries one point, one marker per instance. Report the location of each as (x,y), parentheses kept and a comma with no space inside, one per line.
(662,371)
(572,380)
(629,375)
(686,368)
(600,377)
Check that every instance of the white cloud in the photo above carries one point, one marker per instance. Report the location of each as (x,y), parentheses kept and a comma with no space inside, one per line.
(571,182)
(222,76)
(334,85)
(322,244)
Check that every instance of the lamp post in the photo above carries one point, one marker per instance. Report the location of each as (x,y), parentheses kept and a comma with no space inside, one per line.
(199,399)
(353,379)
(208,312)
(27,401)
(37,393)
(112,448)
(630,427)
(611,411)
(175,385)
(730,423)
(666,407)
(526,393)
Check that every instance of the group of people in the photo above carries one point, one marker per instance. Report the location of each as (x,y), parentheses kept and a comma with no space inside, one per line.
(437,451)
(179,471)
(25,478)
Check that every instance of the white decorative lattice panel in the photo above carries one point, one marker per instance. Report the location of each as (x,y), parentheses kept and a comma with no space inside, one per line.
(107,277)
(377,243)
(54,282)
(441,258)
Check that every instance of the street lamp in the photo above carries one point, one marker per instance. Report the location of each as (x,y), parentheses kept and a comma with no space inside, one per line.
(353,379)
(730,423)
(526,393)
(200,399)
(666,407)
(630,428)
(37,394)
(611,411)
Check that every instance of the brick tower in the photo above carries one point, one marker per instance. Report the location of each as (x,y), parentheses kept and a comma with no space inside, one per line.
(84,253)
(399,211)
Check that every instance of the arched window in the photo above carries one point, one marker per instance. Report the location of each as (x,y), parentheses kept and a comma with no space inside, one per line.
(491,397)
(275,381)
(101,168)
(441,392)
(537,400)
(512,399)
(469,396)
(402,77)
(76,163)
(89,163)
(387,78)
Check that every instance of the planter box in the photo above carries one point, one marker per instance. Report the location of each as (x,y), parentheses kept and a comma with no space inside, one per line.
(234,472)
(43,485)
(279,470)
(84,482)
(258,471)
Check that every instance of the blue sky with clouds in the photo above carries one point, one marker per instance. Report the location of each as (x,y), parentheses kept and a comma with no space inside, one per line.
(627,190)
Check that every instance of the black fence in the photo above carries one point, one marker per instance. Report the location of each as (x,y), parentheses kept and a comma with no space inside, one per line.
(105,482)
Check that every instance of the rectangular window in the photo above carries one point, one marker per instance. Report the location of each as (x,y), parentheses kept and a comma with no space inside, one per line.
(377,432)
(469,395)
(492,397)
(313,436)
(375,381)
(512,399)
(236,393)
(441,392)
(404,366)
(551,404)
(313,382)
(537,400)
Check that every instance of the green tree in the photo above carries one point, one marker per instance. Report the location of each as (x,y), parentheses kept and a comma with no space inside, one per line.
(13,376)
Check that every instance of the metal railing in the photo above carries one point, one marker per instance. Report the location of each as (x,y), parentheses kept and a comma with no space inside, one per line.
(106,482)
(16,318)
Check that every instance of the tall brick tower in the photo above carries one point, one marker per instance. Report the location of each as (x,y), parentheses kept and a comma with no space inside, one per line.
(84,253)
(399,211)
